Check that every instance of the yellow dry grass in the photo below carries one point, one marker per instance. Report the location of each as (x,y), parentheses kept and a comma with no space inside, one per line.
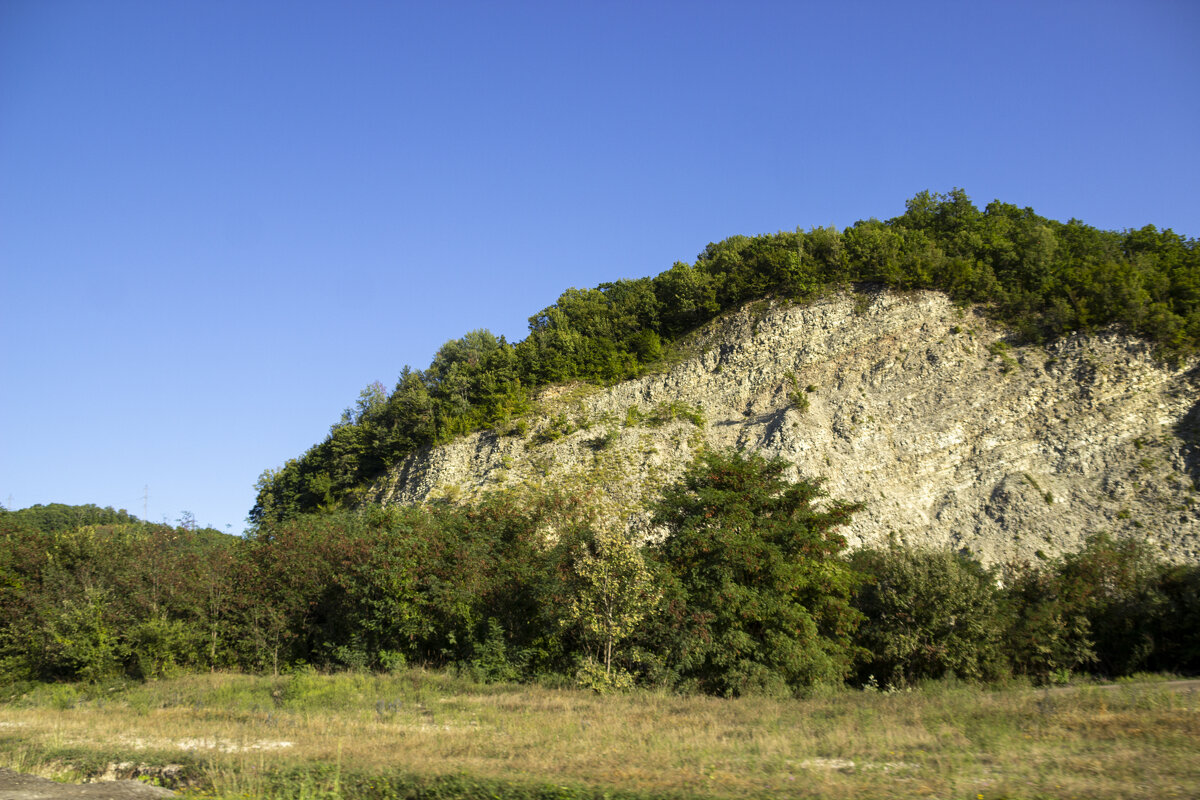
(1133,742)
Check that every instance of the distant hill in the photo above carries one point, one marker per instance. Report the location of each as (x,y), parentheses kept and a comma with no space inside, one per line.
(57,517)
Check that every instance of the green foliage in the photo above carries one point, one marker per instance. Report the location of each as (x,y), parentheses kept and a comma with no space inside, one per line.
(482,586)
(559,426)
(928,614)
(1001,350)
(797,398)
(1114,606)
(1048,634)
(492,661)
(602,678)
(58,517)
(1177,645)
(663,413)
(603,441)
(610,590)
(754,598)
(108,600)
(746,593)
(1117,586)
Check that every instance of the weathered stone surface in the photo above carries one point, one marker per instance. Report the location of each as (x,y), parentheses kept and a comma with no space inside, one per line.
(917,408)
(18,786)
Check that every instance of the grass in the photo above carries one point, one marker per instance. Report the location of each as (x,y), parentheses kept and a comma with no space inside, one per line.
(417,733)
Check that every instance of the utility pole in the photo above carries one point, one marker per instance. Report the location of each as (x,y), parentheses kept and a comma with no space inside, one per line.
(146,503)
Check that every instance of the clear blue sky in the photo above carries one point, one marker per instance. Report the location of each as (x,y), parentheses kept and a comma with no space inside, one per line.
(220,220)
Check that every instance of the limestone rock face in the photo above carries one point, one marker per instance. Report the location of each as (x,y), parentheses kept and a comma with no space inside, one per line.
(917,408)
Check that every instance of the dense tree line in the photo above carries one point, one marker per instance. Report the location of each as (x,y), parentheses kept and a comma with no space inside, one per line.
(1040,277)
(100,600)
(61,517)
(749,588)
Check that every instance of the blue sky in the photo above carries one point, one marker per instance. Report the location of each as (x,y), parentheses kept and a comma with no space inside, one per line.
(220,220)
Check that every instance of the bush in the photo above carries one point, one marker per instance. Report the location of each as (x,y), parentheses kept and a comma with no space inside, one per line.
(1117,586)
(1179,628)
(928,614)
(1048,636)
(102,601)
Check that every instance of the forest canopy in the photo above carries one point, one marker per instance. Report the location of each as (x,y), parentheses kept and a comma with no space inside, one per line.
(1040,277)
(57,517)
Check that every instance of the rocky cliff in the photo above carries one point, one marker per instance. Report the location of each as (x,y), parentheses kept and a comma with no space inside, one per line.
(924,411)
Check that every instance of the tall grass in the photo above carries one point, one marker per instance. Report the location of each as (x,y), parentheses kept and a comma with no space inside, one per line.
(428,734)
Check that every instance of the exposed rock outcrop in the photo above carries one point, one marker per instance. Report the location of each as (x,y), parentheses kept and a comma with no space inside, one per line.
(922,410)
(18,786)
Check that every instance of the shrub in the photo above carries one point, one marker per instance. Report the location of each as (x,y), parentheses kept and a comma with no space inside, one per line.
(1179,628)
(1048,636)
(1116,585)
(929,614)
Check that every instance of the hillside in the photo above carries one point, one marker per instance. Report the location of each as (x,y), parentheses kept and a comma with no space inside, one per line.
(925,412)
(1037,280)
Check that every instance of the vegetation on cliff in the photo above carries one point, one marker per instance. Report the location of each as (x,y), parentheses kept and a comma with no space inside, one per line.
(1040,277)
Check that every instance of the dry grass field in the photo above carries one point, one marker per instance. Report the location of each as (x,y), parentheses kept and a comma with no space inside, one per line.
(363,735)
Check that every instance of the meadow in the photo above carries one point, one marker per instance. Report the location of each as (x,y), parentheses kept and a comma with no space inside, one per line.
(419,733)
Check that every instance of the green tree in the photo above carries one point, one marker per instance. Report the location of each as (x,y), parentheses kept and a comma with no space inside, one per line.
(57,517)
(928,613)
(754,596)
(102,600)
(1117,585)
(1179,627)
(1048,635)
(611,590)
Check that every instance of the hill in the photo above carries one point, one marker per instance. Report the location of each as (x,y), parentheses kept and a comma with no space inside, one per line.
(923,411)
(1023,280)
(57,517)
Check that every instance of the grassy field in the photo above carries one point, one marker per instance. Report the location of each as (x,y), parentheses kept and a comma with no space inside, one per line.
(425,734)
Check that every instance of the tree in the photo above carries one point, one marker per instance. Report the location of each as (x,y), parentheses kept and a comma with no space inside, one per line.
(1048,635)
(929,613)
(1117,585)
(755,598)
(60,517)
(611,590)
(104,600)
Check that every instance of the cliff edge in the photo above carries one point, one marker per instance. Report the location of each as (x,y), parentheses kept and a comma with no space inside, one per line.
(924,411)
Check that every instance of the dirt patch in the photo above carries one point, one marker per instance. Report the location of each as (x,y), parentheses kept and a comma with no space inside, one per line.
(220,745)
(16,786)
